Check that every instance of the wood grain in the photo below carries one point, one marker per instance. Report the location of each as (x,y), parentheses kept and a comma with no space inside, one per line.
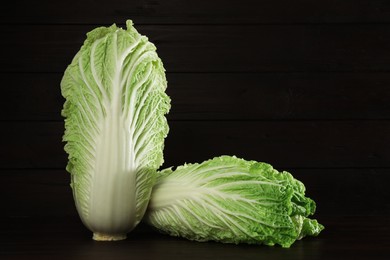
(196,12)
(225,96)
(283,144)
(221,48)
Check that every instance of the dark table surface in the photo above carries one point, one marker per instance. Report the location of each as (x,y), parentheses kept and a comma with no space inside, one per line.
(345,237)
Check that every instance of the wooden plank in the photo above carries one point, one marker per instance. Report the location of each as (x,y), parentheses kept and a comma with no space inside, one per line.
(225,96)
(284,144)
(347,191)
(336,192)
(31,97)
(225,48)
(41,188)
(196,12)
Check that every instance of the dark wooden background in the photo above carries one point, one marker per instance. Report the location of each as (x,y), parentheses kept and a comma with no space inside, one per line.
(303,85)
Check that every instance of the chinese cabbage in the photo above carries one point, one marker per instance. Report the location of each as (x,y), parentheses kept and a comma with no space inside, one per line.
(115,128)
(231,200)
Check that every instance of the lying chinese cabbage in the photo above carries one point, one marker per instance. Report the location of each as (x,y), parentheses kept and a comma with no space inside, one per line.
(231,200)
(115,128)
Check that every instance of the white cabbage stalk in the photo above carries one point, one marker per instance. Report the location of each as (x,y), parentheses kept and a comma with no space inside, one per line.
(115,128)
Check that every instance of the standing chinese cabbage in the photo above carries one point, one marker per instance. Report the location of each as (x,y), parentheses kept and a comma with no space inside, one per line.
(115,128)
(231,200)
